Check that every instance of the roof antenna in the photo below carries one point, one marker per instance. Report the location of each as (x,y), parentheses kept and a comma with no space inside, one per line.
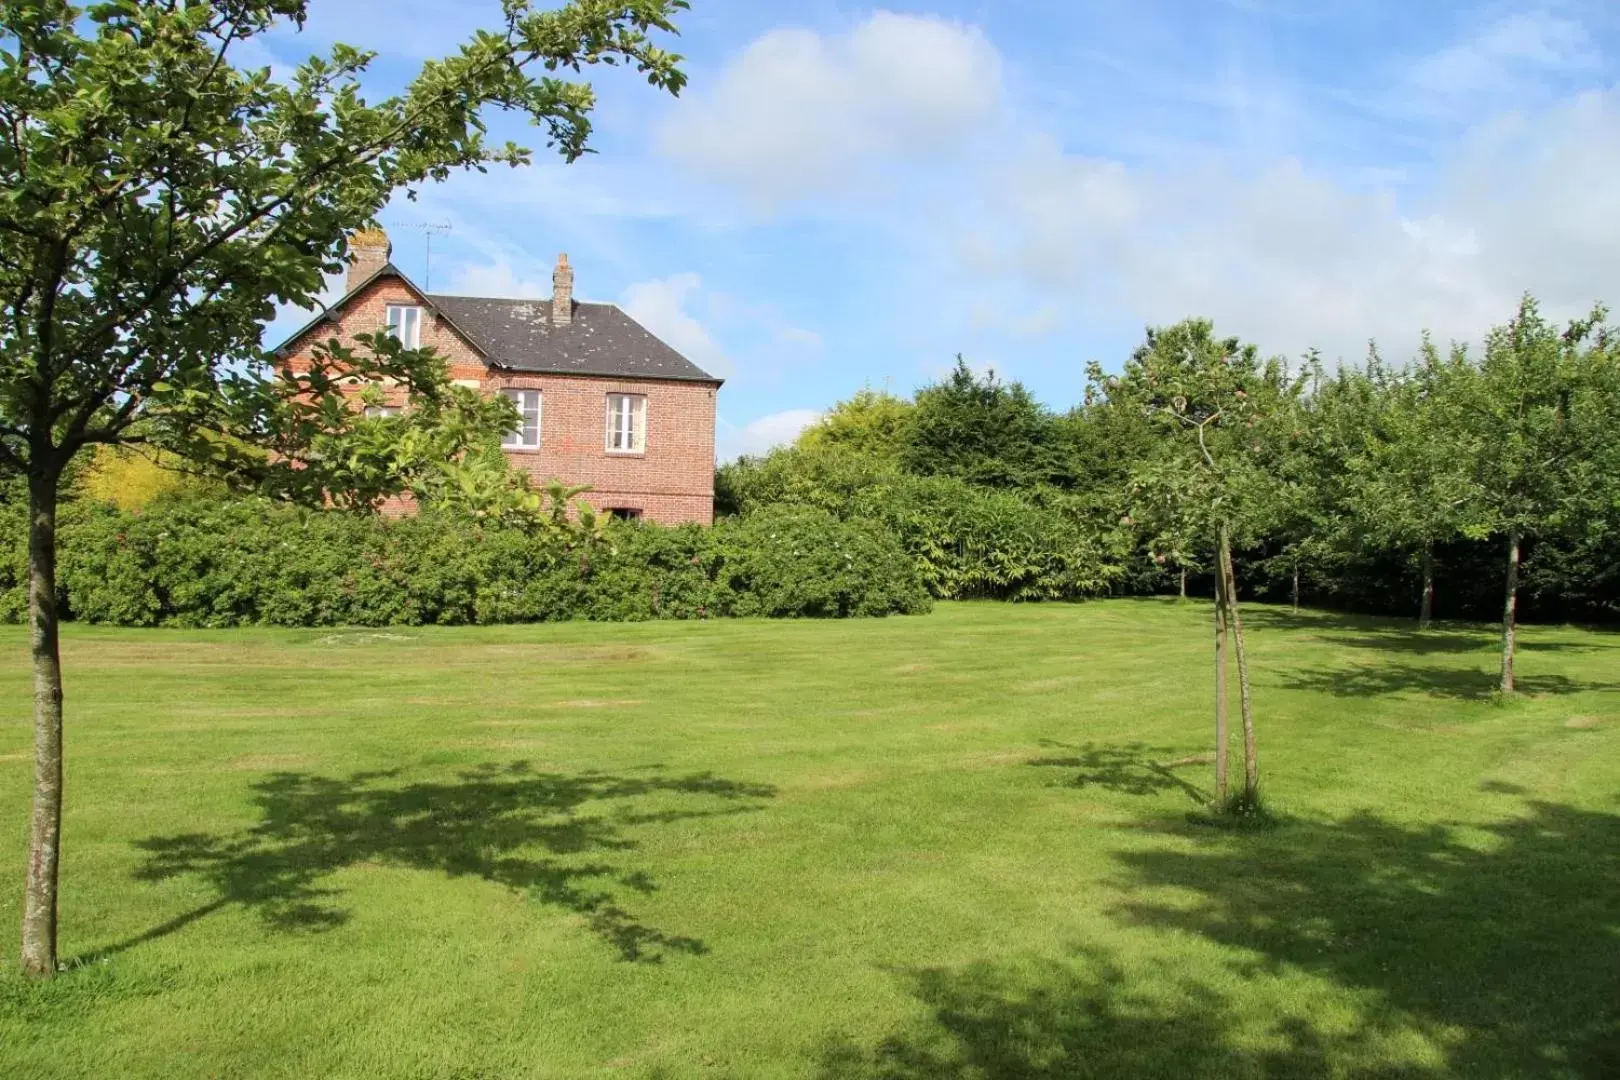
(428,228)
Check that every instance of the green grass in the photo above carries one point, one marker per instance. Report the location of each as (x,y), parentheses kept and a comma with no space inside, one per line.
(961,845)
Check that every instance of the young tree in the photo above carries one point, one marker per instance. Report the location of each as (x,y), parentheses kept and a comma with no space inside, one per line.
(1222,415)
(156,203)
(1536,421)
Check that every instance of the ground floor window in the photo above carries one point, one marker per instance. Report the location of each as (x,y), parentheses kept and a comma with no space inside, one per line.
(624,513)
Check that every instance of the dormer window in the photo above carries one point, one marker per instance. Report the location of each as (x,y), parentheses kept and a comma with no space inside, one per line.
(405,323)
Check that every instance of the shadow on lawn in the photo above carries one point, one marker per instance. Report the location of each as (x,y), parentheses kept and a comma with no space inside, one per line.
(1386,634)
(1501,949)
(1128,769)
(1389,676)
(508,824)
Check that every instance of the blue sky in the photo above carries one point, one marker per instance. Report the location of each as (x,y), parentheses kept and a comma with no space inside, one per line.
(849,196)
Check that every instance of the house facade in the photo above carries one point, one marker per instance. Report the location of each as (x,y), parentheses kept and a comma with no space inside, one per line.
(604,402)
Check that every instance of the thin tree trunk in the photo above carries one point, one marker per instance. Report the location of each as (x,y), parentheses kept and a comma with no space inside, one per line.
(1510,611)
(1221,737)
(1296,586)
(1184,583)
(1426,608)
(1251,759)
(45,825)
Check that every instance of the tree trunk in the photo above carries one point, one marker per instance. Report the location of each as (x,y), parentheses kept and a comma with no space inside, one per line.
(1184,583)
(45,826)
(1251,760)
(1296,586)
(1510,611)
(1426,607)
(1221,738)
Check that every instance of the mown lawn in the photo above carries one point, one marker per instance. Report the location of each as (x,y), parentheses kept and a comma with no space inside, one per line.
(946,846)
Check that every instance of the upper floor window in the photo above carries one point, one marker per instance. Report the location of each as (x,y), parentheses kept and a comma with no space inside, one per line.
(527,434)
(375,411)
(626,423)
(405,323)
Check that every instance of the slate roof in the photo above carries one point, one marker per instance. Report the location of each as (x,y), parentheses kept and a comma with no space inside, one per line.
(518,335)
(600,340)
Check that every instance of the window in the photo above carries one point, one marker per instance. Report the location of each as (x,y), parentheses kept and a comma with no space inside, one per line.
(405,323)
(624,513)
(375,411)
(626,423)
(527,434)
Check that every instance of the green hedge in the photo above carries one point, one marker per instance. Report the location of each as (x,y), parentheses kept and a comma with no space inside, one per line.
(970,541)
(219,563)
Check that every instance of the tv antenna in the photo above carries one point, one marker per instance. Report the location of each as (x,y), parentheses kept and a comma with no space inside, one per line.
(428,229)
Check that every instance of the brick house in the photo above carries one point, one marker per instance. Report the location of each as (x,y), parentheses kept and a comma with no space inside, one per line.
(604,402)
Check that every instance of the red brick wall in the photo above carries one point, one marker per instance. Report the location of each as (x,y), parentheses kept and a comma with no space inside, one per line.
(672,482)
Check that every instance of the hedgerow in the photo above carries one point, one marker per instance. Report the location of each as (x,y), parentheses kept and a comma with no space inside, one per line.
(210,562)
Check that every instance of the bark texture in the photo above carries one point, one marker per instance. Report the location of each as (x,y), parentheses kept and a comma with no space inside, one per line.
(1426,606)
(1221,736)
(1510,612)
(1251,759)
(45,823)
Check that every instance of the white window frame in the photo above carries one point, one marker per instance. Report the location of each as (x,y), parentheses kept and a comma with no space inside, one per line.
(376,411)
(408,327)
(631,434)
(524,398)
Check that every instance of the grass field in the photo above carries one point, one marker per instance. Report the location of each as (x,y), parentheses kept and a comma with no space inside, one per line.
(947,846)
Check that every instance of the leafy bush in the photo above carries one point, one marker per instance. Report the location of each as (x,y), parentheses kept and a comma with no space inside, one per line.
(970,541)
(235,562)
(788,561)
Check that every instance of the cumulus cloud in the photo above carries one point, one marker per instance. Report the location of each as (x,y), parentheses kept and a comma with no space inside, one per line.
(1291,256)
(797,112)
(498,279)
(661,306)
(761,435)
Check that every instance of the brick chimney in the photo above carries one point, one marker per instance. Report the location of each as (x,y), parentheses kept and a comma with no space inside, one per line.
(369,250)
(562,293)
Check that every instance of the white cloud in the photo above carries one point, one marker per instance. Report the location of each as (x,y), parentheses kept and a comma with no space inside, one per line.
(799,113)
(661,306)
(761,435)
(1290,257)
(1498,64)
(498,279)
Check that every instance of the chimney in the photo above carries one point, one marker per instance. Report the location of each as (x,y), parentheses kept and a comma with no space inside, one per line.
(369,250)
(562,293)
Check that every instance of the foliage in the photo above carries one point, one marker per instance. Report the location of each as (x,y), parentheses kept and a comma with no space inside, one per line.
(796,562)
(825,477)
(217,563)
(984,431)
(971,541)
(158,201)
(870,422)
(129,479)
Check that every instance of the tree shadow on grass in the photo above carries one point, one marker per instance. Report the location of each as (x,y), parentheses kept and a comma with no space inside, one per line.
(1384,634)
(1504,944)
(508,824)
(1390,676)
(1088,1018)
(1498,950)
(1125,769)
